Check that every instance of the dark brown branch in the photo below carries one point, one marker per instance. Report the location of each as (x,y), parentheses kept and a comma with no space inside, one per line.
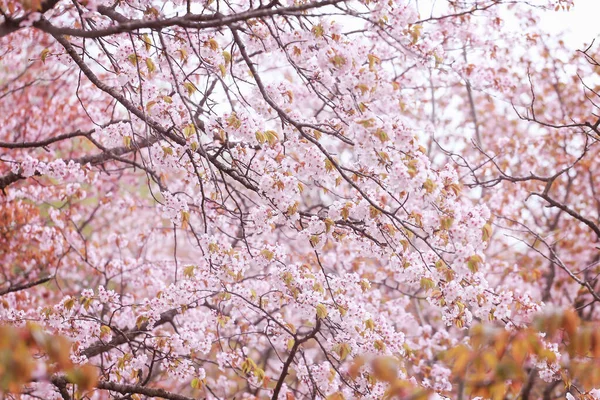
(193,21)
(24,286)
(290,359)
(571,212)
(61,383)
(127,335)
(146,391)
(46,142)
(12,25)
(93,160)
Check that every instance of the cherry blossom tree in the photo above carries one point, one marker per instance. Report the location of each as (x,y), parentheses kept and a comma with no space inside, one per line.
(313,199)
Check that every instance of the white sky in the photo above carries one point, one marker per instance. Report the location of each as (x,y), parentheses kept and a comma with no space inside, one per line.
(581,24)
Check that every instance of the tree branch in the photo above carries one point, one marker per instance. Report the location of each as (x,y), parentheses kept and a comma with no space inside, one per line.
(127,335)
(46,142)
(571,212)
(24,286)
(61,383)
(193,21)
(290,359)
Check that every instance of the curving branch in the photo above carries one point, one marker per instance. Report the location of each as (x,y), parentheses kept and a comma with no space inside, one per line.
(193,21)
(17,288)
(569,211)
(128,335)
(61,383)
(290,359)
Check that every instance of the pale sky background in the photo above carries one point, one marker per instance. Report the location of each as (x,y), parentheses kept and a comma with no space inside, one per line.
(581,24)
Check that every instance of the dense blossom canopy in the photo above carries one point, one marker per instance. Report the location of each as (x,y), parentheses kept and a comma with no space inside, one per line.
(308,199)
